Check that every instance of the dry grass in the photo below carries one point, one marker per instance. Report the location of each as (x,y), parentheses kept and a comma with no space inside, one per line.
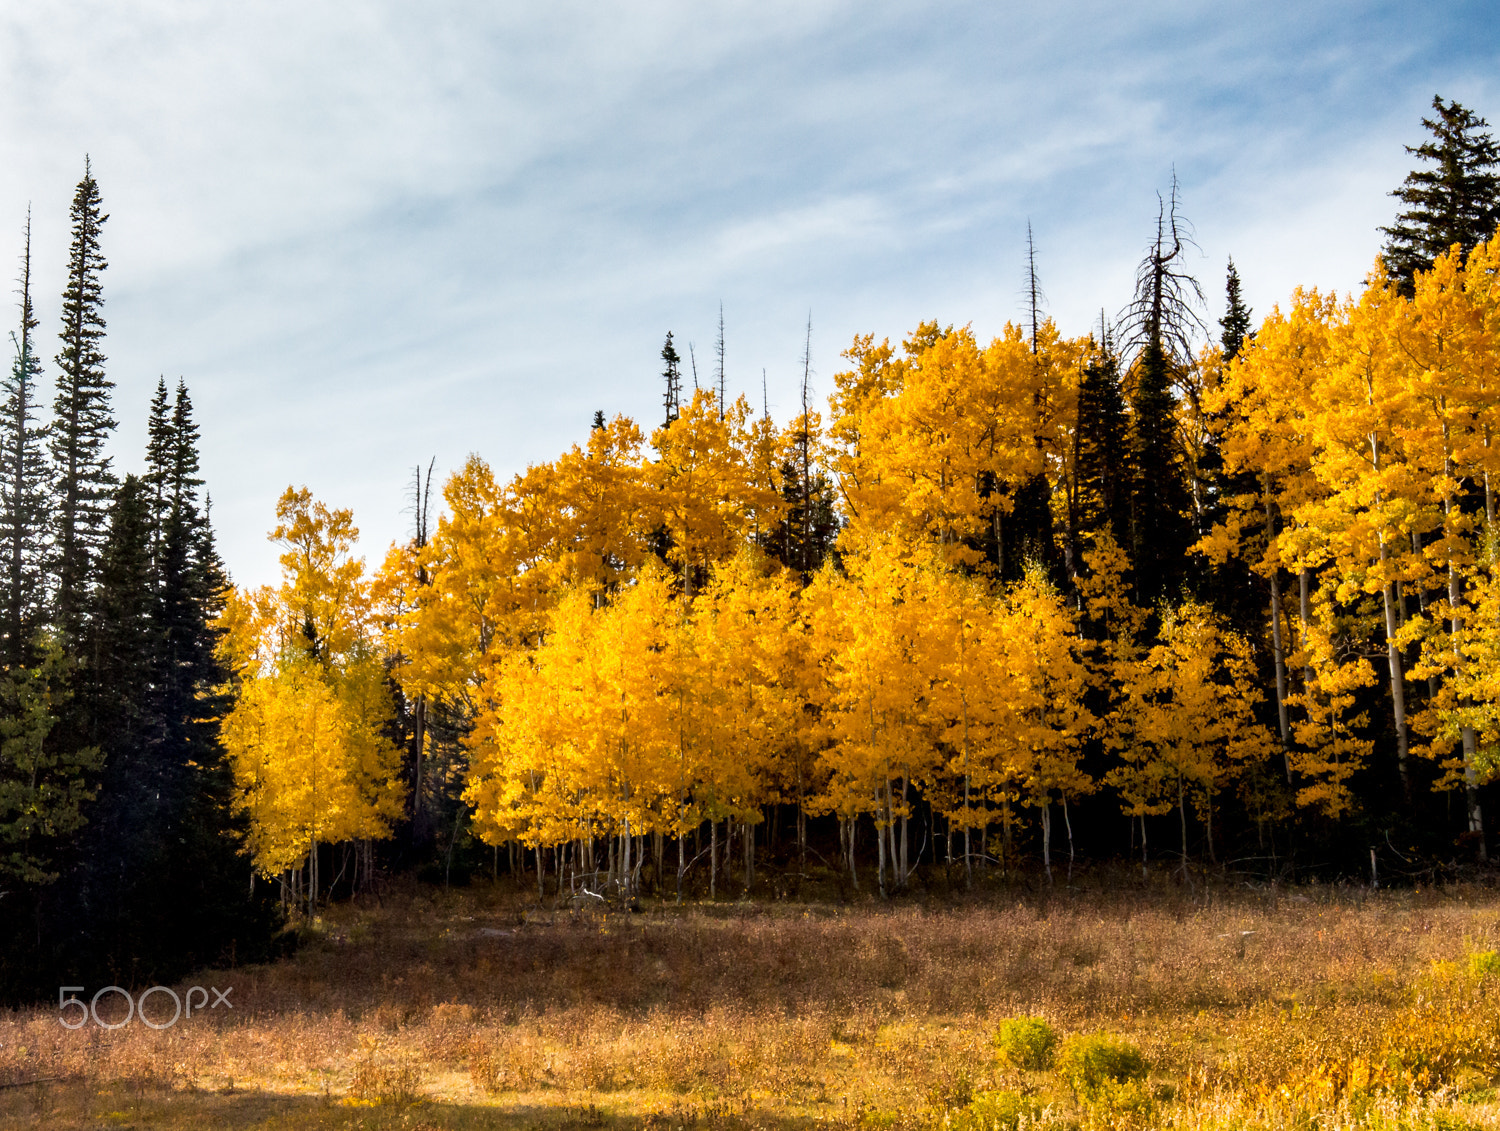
(476,1010)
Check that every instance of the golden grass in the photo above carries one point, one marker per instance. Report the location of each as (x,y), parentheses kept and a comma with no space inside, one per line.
(476,1009)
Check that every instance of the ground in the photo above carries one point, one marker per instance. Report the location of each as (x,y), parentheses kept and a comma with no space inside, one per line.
(1253,1008)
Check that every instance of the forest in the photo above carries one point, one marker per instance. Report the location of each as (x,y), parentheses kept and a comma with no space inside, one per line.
(1203,601)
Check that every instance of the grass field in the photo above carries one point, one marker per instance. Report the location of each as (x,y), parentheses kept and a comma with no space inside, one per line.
(1304,1008)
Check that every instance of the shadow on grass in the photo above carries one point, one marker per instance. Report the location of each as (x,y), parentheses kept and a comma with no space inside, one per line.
(76,1107)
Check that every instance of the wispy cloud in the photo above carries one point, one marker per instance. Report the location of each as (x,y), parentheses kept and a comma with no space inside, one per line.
(369,234)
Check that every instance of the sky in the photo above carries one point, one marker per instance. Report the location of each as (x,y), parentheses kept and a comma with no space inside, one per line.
(369,235)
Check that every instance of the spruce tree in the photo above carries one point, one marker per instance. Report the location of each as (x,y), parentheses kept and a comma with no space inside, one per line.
(1162,321)
(672,375)
(158,461)
(23,486)
(162,868)
(1102,453)
(1236,321)
(82,482)
(1458,202)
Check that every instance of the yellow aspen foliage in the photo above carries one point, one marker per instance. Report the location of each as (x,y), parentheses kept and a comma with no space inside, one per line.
(491,571)
(1329,746)
(708,494)
(867,627)
(305,736)
(1190,715)
(570,739)
(1045,681)
(927,445)
(601,499)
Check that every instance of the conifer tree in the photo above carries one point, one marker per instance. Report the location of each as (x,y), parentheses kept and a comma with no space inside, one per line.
(1102,457)
(82,481)
(1162,320)
(23,485)
(1236,321)
(158,460)
(1458,202)
(672,374)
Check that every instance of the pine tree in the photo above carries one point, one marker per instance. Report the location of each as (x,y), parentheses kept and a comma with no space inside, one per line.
(672,374)
(1458,202)
(81,477)
(1236,321)
(1162,320)
(158,462)
(23,485)
(1102,454)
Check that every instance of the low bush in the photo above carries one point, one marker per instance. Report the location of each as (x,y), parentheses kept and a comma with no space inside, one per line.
(1026,1042)
(997,1111)
(1093,1065)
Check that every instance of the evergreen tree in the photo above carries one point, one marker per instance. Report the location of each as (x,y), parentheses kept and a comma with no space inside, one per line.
(162,871)
(158,461)
(1236,321)
(1458,202)
(1163,320)
(23,486)
(1102,452)
(123,846)
(672,374)
(82,482)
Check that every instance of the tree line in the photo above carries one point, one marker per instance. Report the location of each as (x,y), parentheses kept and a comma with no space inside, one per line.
(120,855)
(1142,591)
(1233,595)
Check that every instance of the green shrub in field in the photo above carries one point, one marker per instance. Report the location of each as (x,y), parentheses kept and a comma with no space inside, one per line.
(1026,1042)
(1483,963)
(1095,1066)
(996,1111)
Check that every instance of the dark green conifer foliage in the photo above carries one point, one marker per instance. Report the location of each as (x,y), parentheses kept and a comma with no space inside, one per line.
(1102,457)
(158,459)
(1027,532)
(162,872)
(1457,202)
(83,484)
(809,527)
(123,845)
(1236,321)
(23,487)
(1162,320)
(672,375)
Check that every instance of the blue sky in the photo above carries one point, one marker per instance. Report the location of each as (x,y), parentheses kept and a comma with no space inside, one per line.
(369,234)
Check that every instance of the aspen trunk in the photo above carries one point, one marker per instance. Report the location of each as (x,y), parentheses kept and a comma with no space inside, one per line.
(905,820)
(1047,840)
(1182,817)
(968,849)
(1398,684)
(1304,582)
(1469,739)
(1389,595)
(1068,824)
(713,859)
(1278,649)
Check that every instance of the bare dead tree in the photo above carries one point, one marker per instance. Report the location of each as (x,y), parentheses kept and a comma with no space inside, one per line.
(1165,309)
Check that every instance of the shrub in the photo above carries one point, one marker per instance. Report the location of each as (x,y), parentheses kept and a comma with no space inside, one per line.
(1026,1042)
(996,1111)
(1484,962)
(1093,1065)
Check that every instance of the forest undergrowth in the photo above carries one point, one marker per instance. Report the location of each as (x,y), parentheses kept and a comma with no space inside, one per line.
(1313,1007)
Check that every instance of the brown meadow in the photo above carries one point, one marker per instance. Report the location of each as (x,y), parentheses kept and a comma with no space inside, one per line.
(1303,1008)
